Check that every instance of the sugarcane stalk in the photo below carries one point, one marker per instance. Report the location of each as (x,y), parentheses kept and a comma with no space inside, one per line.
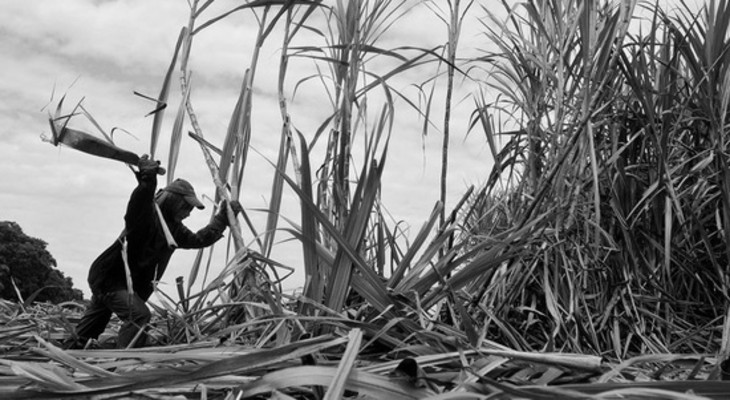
(220,185)
(222,192)
(127,271)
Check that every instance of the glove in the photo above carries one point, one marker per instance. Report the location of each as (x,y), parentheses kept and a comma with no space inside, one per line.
(149,167)
(236,207)
(223,209)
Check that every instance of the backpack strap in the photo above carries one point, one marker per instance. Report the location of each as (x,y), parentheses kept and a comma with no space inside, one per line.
(171,243)
(127,272)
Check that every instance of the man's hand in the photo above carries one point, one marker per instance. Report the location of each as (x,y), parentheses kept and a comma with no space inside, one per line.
(149,167)
(236,207)
(223,209)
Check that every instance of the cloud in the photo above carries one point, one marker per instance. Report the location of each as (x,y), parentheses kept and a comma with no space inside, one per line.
(98,34)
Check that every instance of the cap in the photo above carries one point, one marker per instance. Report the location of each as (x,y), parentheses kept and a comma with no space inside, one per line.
(185,189)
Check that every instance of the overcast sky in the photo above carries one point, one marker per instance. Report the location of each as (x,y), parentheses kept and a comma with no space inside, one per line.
(102,51)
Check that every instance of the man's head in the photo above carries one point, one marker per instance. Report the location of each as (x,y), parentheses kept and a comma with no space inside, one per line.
(177,200)
(185,189)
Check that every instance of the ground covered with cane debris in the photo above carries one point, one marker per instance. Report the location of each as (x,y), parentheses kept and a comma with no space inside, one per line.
(337,365)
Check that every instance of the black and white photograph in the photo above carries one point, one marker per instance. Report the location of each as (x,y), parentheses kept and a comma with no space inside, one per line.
(365,199)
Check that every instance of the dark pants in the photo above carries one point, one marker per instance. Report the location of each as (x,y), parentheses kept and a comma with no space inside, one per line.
(132,311)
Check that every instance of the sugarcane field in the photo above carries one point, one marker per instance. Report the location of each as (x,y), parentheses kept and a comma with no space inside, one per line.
(365,199)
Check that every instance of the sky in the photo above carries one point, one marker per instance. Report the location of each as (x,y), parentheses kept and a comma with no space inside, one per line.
(99,52)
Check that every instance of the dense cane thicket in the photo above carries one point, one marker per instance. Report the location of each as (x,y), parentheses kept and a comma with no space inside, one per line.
(614,182)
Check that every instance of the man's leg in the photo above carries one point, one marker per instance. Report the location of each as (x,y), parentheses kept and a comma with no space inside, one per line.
(133,312)
(92,324)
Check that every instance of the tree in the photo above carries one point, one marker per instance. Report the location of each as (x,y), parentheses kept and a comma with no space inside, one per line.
(32,268)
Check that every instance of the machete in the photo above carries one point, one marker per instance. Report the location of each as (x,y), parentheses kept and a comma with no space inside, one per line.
(89,144)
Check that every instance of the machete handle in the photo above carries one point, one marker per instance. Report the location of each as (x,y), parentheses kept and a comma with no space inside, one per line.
(160,170)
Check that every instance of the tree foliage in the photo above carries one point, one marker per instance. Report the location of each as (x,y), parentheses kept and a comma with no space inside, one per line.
(31,267)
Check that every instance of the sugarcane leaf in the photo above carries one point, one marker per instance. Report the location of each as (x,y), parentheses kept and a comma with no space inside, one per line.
(361,382)
(46,376)
(315,280)
(336,388)
(176,138)
(164,91)
(236,127)
(253,4)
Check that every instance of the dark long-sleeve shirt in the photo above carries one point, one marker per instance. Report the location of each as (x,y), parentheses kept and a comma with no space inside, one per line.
(147,248)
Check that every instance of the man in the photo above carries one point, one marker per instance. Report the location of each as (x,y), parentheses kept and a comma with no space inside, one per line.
(153,229)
